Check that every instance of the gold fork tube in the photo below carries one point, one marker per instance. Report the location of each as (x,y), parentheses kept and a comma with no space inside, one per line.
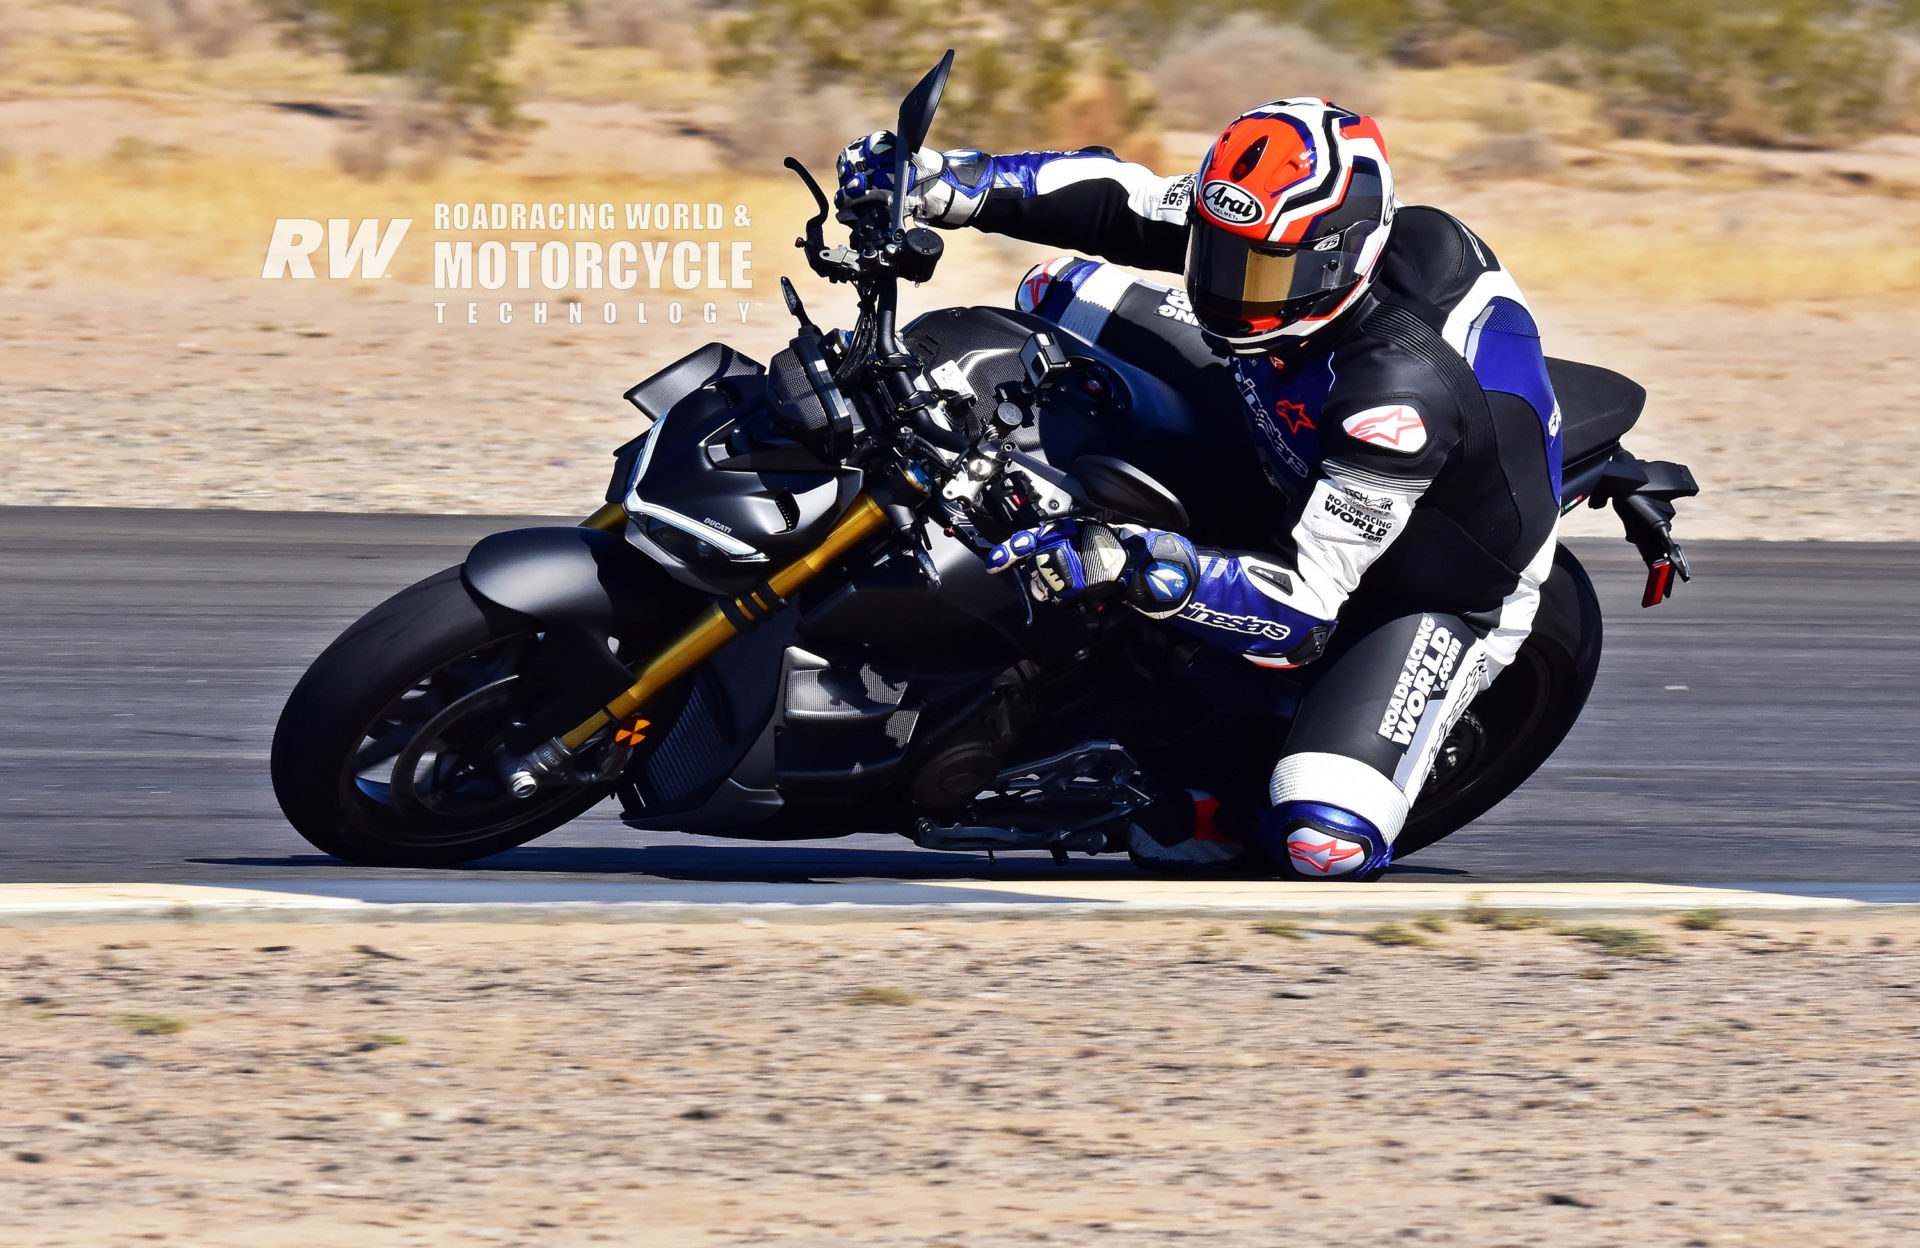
(611,518)
(722,622)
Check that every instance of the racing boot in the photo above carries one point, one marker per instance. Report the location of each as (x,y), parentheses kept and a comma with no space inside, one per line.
(1181,833)
(1315,841)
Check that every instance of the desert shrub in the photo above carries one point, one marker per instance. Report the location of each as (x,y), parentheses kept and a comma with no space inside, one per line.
(1036,71)
(1741,71)
(1210,77)
(204,28)
(1628,942)
(450,51)
(779,115)
(1028,71)
(1483,915)
(1393,935)
(672,28)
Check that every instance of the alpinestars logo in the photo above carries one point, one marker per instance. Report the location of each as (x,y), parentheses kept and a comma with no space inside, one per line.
(1244,625)
(1270,434)
(1398,428)
(1429,664)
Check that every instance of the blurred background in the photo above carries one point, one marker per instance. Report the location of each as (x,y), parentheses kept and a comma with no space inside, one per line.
(1720,199)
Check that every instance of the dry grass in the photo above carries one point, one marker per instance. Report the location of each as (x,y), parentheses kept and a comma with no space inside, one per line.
(1672,263)
(1394,935)
(1502,920)
(1626,942)
(880,996)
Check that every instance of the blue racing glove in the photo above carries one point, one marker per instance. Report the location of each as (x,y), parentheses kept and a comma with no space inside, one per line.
(1066,560)
(934,191)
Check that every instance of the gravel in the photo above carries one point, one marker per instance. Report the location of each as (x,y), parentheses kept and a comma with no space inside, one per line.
(1066,1082)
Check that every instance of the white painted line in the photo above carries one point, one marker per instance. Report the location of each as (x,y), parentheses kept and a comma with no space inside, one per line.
(489,901)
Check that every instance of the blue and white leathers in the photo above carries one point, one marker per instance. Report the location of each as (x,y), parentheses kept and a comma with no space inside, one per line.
(1410,451)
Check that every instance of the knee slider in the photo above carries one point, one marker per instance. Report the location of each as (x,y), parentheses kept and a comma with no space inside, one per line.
(1318,841)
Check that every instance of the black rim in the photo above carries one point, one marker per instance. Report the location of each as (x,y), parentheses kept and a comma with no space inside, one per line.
(1499,730)
(427,765)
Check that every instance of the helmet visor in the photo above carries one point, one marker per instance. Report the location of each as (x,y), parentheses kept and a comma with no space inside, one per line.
(1240,287)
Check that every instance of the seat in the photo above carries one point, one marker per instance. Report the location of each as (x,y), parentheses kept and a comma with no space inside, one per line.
(1597,406)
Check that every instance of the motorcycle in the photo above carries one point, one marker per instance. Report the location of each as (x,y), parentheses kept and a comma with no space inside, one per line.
(780,625)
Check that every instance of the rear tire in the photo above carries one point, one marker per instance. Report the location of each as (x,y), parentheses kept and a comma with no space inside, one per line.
(404,663)
(1522,717)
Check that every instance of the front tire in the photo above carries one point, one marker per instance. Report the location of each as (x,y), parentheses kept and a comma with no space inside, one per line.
(383,754)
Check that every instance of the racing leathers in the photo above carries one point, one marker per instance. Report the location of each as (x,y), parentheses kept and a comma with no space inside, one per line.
(1410,452)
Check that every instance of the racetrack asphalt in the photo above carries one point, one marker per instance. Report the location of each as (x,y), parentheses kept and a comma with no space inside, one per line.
(1759,727)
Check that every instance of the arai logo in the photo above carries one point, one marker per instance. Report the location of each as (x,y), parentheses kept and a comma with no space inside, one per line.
(1230,203)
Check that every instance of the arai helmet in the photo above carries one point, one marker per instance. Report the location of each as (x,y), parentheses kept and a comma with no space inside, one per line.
(1291,212)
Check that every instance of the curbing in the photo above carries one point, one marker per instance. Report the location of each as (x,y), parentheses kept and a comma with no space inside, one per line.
(47,905)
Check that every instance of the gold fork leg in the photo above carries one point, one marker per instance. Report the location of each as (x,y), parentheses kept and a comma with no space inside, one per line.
(724,621)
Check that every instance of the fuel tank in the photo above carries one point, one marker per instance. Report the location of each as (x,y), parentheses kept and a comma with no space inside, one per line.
(1111,406)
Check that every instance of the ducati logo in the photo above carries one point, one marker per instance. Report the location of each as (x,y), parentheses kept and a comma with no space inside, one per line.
(1230,203)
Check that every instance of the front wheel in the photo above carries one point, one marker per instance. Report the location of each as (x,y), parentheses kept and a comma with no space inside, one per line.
(387,751)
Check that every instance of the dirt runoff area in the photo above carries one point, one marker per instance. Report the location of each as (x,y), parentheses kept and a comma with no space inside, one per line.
(987,1083)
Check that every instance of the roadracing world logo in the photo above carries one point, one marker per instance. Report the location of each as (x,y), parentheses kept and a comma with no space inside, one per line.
(663,263)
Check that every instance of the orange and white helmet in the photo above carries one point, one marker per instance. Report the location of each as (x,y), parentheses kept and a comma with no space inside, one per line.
(1291,212)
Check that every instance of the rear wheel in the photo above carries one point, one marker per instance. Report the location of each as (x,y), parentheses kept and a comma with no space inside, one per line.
(387,751)
(1523,716)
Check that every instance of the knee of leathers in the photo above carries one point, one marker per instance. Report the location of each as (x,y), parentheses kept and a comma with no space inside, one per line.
(1316,840)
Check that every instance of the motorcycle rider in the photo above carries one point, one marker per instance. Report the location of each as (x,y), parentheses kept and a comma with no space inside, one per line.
(1393,384)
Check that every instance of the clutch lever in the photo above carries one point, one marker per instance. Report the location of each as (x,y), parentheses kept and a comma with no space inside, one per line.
(835,268)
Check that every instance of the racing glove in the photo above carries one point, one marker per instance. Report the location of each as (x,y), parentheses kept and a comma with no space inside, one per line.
(1151,570)
(939,190)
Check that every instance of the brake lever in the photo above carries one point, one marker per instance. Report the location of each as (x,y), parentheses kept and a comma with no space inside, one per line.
(819,196)
(842,267)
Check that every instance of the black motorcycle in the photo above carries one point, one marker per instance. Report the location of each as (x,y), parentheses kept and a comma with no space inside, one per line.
(780,625)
